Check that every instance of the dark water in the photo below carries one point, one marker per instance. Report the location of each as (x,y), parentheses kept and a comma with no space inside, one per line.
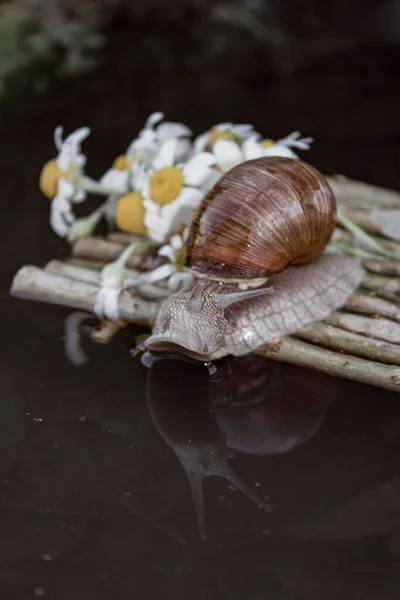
(95,463)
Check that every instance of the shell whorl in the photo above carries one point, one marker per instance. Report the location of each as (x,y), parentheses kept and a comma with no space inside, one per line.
(260,217)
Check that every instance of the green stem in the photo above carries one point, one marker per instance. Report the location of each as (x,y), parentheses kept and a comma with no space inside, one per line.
(361,234)
(358,252)
(91,186)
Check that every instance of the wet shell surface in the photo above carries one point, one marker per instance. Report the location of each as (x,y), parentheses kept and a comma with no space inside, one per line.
(260,217)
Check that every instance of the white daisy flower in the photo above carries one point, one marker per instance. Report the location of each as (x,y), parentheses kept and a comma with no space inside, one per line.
(59,179)
(229,153)
(223,131)
(117,177)
(64,170)
(172,190)
(255,148)
(155,133)
(173,271)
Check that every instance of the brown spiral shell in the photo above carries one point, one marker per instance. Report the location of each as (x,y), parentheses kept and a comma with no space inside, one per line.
(261,216)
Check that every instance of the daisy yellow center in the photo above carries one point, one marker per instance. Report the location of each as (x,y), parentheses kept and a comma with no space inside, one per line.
(267,143)
(218,134)
(165,185)
(49,177)
(121,163)
(129,214)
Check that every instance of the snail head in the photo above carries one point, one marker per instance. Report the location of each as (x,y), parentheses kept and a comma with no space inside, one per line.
(192,322)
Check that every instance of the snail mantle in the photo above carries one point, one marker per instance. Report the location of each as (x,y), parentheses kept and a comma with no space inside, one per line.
(353,331)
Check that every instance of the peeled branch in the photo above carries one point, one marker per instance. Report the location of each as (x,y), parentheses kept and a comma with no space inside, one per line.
(302,354)
(351,343)
(32,283)
(357,193)
(371,305)
(380,328)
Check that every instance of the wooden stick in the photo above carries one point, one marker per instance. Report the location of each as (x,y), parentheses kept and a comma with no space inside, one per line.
(303,354)
(120,237)
(351,343)
(97,248)
(384,222)
(32,283)
(380,282)
(346,237)
(87,275)
(362,219)
(93,247)
(105,331)
(85,262)
(383,267)
(380,328)
(370,305)
(358,193)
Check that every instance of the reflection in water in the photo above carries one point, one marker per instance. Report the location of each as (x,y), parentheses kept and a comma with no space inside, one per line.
(243,405)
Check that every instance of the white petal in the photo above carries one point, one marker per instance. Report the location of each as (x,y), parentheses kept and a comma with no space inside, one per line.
(78,197)
(115,179)
(80,160)
(63,160)
(153,119)
(166,154)
(151,207)
(200,142)
(76,137)
(251,149)
(243,130)
(183,149)
(168,130)
(189,196)
(160,273)
(58,141)
(292,140)
(223,126)
(168,252)
(211,180)
(176,242)
(276,150)
(60,216)
(197,169)
(178,280)
(228,154)
(64,188)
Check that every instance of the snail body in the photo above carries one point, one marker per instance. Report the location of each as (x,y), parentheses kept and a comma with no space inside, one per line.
(263,229)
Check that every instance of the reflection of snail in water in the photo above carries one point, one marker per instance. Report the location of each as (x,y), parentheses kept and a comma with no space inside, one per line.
(263,420)
(202,418)
(263,219)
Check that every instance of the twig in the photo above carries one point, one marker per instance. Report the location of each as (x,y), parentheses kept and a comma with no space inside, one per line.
(93,247)
(383,267)
(366,239)
(380,328)
(351,343)
(303,354)
(105,331)
(32,283)
(88,275)
(358,193)
(362,219)
(345,237)
(370,305)
(380,282)
(120,237)
(383,221)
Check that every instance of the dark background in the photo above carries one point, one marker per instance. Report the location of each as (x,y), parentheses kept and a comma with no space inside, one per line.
(88,476)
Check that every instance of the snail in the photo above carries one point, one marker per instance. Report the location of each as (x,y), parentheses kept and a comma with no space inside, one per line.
(256,249)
